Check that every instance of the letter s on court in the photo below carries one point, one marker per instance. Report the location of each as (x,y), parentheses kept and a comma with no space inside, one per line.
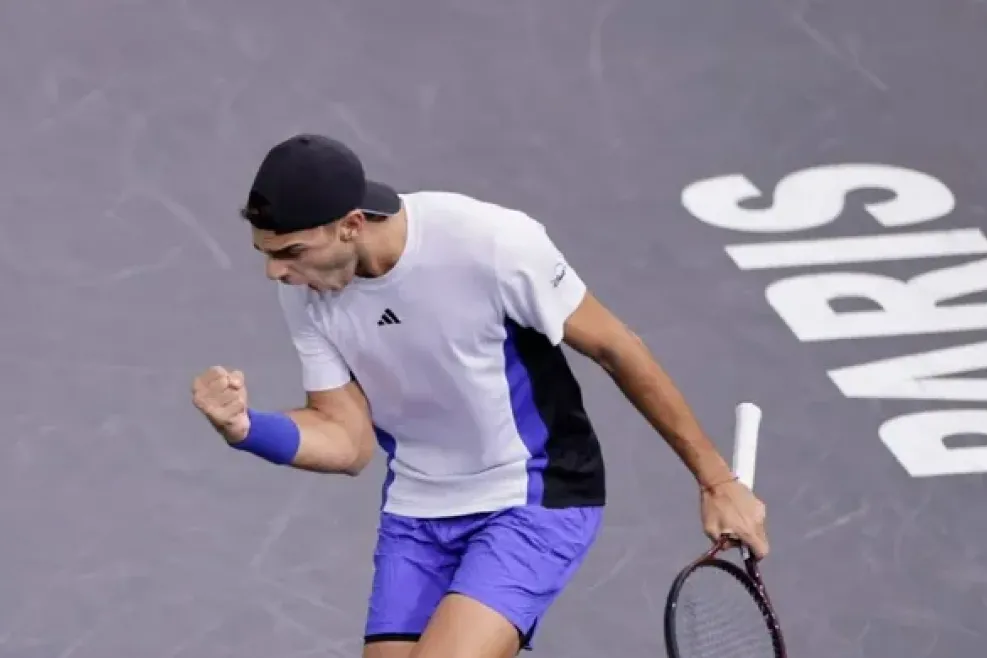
(814,197)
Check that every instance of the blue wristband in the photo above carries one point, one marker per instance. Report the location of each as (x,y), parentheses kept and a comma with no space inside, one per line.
(272,436)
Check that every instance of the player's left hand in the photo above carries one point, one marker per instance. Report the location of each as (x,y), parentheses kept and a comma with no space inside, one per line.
(732,509)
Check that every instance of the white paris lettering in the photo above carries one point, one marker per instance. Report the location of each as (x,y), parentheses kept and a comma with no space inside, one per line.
(928,303)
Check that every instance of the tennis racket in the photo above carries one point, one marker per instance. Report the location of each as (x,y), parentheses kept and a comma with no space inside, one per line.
(717,608)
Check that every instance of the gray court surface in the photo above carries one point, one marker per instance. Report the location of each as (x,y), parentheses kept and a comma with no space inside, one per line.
(128,133)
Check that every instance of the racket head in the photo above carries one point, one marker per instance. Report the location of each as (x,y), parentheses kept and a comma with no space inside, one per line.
(716,608)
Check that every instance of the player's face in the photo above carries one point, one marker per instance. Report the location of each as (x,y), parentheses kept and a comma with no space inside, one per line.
(323,258)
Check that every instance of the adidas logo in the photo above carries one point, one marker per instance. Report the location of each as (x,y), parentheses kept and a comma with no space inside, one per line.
(388,318)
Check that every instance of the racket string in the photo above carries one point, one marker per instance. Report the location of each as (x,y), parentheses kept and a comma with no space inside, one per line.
(718,617)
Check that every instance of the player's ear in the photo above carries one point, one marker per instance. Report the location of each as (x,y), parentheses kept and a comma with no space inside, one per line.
(350,226)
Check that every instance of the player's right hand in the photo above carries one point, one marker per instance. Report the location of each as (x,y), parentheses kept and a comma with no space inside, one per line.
(731,509)
(221,395)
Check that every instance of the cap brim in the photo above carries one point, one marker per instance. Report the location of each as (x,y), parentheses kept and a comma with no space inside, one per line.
(380,199)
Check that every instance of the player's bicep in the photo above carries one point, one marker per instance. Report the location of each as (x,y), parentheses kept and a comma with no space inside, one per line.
(336,431)
(336,413)
(595,332)
(540,289)
(346,405)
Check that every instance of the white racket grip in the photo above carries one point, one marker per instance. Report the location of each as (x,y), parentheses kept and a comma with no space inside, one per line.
(746,430)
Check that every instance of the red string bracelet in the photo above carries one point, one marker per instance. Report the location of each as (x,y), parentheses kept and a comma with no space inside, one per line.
(709,487)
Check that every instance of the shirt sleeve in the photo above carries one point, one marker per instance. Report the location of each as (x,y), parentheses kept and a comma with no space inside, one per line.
(323,367)
(539,288)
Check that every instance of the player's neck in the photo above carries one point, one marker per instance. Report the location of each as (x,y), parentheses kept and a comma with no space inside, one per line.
(381,245)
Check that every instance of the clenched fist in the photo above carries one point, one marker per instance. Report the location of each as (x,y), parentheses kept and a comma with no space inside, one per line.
(221,395)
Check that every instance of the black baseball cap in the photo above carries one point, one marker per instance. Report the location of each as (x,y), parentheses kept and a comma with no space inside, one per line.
(312,180)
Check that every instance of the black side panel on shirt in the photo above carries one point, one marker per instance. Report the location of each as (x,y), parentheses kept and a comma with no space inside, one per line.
(574,475)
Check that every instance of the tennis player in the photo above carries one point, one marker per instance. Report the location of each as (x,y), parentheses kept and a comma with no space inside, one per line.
(431,323)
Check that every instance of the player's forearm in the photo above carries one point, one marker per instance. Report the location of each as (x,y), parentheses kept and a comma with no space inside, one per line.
(306,439)
(649,388)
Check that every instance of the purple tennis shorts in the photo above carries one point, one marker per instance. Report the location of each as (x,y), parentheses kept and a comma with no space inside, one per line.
(515,561)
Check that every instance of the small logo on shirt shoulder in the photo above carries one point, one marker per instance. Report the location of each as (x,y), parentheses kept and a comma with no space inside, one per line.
(560,271)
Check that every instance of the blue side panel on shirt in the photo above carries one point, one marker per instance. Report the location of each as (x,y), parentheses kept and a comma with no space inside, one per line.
(389,445)
(530,426)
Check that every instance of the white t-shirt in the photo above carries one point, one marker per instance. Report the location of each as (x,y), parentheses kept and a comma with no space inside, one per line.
(457,348)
